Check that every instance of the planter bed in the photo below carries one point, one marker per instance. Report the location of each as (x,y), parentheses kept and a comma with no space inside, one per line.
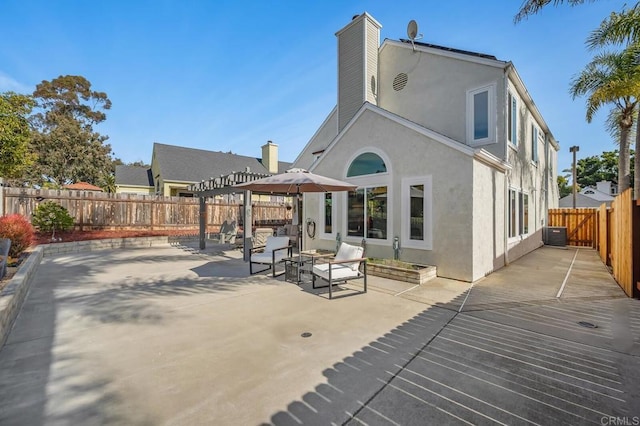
(411,273)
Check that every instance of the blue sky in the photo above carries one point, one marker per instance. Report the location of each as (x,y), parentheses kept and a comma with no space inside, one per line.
(228,75)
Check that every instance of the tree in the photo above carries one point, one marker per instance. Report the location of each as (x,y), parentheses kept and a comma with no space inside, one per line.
(563,186)
(619,28)
(531,7)
(15,133)
(591,170)
(612,78)
(67,147)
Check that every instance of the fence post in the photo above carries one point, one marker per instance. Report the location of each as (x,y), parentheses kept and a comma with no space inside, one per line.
(202,222)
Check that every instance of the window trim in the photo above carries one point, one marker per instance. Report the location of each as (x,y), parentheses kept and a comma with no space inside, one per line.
(535,134)
(334,213)
(405,240)
(519,225)
(344,231)
(512,119)
(491,111)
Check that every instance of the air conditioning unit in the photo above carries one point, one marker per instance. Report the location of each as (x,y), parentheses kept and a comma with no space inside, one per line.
(555,236)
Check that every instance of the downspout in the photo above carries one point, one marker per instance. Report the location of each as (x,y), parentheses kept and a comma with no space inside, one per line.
(546,179)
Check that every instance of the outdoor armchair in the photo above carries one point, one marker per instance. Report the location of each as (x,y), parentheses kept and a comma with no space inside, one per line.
(227,234)
(348,264)
(273,252)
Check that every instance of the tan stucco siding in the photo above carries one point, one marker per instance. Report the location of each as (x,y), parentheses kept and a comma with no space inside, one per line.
(435,95)
(488,219)
(132,189)
(408,155)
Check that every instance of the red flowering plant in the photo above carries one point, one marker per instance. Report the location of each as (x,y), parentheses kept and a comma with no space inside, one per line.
(18,229)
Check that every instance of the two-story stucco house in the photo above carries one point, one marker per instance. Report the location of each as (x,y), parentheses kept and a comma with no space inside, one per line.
(451,156)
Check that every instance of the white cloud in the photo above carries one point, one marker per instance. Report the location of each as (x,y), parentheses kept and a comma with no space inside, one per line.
(10,84)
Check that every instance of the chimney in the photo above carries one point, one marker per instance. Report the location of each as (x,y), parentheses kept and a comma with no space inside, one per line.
(270,157)
(358,45)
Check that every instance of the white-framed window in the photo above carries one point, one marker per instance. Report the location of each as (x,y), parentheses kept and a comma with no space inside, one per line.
(534,143)
(367,212)
(518,213)
(512,119)
(481,115)
(417,213)
(327,215)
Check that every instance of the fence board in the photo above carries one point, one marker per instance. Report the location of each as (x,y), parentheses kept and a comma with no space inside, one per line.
(603,233)
(93,211)
(581,225)
(621,240)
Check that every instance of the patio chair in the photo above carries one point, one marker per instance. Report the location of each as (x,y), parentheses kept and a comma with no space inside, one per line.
(273,252)
(5,246)
(260,236)
(227,234)
(348,264)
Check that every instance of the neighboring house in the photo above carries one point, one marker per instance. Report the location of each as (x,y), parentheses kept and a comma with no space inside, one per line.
(174,168)
(134,180)
(592,196)
(451,156)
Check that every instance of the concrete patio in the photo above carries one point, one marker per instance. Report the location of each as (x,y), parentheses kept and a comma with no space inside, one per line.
(172,335)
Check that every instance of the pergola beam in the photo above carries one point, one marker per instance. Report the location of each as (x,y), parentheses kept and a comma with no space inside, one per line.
(224,184)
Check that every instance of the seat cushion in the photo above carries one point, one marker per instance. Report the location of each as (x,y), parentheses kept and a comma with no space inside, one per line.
(347,252)
(266,257)
(276,243)
(338,272)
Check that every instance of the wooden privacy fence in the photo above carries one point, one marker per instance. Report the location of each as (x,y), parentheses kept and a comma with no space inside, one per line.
(581,225)
(613,231)
(623,243)
(98,210)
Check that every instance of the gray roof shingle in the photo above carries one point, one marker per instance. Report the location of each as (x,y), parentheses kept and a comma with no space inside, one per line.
(177,163)
(134,175)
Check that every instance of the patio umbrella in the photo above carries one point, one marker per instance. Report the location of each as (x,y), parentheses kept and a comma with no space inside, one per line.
(296,181)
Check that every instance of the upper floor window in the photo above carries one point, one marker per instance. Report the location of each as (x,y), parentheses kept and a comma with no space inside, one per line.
(481,115)
(367,163)
(512,119)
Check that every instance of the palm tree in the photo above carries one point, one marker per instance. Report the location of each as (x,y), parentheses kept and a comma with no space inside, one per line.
(619,28)
(612,78)
(531,7)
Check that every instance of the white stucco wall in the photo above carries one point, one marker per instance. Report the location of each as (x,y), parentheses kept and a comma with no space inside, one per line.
(408,154)
(488,219)
(319,141)
(435,95)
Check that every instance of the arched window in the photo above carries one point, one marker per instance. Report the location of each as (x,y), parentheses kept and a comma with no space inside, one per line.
(367,163)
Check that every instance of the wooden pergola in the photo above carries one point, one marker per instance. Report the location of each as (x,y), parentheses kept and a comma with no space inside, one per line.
(224,184)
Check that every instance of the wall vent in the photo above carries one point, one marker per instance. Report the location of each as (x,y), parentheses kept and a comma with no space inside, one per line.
(400,81)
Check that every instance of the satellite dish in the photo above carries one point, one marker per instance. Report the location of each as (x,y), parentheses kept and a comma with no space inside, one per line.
(412,33)
(412,30)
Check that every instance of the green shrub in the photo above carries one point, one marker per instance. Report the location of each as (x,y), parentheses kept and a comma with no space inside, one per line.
(18,229)
(51,216)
